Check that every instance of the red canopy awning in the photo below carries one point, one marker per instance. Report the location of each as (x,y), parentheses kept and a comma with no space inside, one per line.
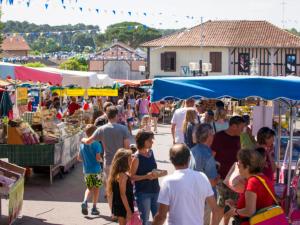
(29,74)
(135,83)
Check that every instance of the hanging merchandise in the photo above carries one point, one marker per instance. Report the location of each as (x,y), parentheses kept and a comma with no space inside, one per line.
(5,105)
(22,94)
(35,95)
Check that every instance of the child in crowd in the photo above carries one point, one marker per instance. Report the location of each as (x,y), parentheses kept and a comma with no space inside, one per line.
(129,117)
(146,123)
(91,158)
(120,186)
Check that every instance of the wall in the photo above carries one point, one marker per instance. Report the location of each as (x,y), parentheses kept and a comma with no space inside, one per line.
(271,61)
(185,55)
(118,69)
(14,53)
(121,70)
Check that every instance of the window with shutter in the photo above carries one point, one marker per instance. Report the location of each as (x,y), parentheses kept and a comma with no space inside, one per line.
(215,58)
(244,63)
(162,61)
(168,61)
(290,64)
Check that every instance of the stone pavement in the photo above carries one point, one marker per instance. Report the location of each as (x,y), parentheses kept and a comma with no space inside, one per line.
(59,203)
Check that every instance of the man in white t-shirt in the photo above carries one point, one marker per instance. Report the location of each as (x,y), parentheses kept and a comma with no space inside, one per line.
(177,121)
(183,193)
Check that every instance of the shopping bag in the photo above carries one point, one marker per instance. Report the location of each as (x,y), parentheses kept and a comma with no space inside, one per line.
(234,180)
(135,219)
(270,215)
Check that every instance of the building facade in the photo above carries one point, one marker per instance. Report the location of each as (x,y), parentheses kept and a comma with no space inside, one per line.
(119,61)
(14,46)
(232,47)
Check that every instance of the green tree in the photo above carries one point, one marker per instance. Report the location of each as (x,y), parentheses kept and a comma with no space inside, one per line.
(44,45)
(51,45)
(74,64)
(294,31)
(131,33)
(100,41)
(35,64)
(39,44)
(81,40)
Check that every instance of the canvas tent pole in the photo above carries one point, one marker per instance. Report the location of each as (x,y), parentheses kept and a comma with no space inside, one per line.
(290,148)
(279,132)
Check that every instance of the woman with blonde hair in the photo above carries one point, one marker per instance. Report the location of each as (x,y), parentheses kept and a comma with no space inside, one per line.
(120,186)
(188,126)
(221,122)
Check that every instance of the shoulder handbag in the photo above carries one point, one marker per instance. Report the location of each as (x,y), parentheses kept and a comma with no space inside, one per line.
(135,219)
(234,180)
(269,215)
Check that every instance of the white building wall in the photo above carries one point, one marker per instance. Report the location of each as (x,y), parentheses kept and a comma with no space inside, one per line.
(185,55)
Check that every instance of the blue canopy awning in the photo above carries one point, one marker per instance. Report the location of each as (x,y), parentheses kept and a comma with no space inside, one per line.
(239,87)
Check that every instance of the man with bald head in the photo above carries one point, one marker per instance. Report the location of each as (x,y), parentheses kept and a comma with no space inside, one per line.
(183,194)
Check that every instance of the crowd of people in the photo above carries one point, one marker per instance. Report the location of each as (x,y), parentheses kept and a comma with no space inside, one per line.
(206,144)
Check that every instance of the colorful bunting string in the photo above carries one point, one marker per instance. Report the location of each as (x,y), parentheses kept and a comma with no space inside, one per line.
(70,5)
(50,33)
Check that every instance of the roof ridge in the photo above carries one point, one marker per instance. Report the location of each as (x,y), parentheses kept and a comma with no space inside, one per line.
(284,30)
(230,33)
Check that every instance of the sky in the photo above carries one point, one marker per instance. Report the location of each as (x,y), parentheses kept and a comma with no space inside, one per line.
(164,14)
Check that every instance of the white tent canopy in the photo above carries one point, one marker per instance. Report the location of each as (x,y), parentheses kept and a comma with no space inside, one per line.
(81,78)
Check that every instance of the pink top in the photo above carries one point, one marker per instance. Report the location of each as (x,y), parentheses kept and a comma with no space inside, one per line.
(143,105)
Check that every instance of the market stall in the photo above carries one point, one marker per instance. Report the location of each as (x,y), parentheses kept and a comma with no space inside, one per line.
(81,78)
(12,188)
(38,139)
(283,89)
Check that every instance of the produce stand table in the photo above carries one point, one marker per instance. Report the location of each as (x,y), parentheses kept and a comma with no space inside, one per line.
(14,192)
(58,157)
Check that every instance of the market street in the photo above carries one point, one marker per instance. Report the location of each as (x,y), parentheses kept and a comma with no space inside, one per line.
(60,203)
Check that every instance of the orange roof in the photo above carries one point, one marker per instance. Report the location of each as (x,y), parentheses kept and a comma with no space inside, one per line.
(15,43)
(230,33)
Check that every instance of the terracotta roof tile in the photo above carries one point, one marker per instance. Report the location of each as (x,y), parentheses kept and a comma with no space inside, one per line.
(15,43)
(230,33)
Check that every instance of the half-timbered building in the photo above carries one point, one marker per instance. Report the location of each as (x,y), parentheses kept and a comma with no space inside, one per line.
(232,47)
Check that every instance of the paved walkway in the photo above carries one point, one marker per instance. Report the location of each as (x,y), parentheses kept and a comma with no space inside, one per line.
(59,203)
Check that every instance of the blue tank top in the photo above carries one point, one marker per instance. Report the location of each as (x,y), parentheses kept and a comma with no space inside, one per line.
(146,165)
